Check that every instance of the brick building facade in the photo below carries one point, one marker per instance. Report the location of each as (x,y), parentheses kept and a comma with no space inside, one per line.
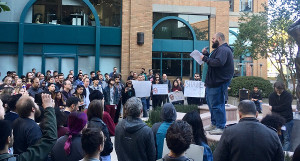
(65,34)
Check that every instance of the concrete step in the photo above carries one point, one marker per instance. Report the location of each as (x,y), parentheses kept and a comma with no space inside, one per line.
(215,138)
(231,111)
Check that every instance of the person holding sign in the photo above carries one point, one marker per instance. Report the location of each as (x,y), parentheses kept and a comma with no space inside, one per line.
(218,77)
(165,80)
(176,88)
(156,99)
(195,100)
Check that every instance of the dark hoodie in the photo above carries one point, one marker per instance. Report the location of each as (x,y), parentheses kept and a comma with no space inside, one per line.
(282,104)
(220,66)
(134,140)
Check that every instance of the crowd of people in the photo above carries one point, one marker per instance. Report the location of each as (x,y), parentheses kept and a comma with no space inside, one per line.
(54,117)
(81,104)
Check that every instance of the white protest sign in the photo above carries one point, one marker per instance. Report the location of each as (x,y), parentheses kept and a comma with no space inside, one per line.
(194,152)
(194,89)
(175,96)
(196,55)
(142,88)
(160,89)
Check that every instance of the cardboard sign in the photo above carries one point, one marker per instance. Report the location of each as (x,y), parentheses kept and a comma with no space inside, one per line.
(175,96)
(160,89)
(195,152)
(196,55)
(194,89)
(142,88)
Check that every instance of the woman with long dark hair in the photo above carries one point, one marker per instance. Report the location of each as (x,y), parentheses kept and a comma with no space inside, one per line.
(95,117)
(127,92)
(59,101)
(193,118)
(176,88)
(79,94)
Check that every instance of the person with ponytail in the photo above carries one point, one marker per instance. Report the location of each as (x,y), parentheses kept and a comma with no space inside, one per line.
(68,147)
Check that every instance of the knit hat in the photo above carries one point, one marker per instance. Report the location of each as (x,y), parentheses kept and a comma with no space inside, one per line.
(168,112)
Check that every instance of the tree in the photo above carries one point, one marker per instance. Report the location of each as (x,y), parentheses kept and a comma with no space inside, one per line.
(264,35)
(3,7)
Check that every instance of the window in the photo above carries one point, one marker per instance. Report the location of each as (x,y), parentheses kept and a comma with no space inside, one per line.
(60,12)
(198,22)
(173,64)
(109,12)
(231,5)
(76,12)
(172,29)
(232,37)
(246,5)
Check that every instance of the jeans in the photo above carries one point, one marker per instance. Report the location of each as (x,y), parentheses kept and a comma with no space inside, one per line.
(287,136)
(148,103)
(215,98)
(144,102)
(258,105)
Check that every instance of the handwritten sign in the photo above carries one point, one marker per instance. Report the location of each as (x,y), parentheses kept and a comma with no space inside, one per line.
(196,55)
(176,96)
(194,89)
(142,88)
(160,89)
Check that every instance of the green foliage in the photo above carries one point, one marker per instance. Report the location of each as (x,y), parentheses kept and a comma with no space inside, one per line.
(3,7)
(155,115)
(252,36)
(186,108)
(287,157)
(248,82)
(265,35)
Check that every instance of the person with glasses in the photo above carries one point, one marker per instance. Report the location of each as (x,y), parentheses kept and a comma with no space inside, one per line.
(79,80)
(127,92)
(70,78)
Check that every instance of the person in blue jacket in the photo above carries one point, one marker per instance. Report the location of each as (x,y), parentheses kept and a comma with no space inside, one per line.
(168,115)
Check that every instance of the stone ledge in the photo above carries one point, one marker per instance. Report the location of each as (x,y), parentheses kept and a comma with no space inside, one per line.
(266,109)
(231,111)
(215,138)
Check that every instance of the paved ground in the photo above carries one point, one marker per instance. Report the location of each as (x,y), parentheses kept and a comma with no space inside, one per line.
(113,153)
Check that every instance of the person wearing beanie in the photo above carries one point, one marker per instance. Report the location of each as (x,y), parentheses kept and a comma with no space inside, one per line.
(68,147)
(168,115)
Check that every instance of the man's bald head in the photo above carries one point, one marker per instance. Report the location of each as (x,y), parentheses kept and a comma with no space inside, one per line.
(24,106)
(221,36)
